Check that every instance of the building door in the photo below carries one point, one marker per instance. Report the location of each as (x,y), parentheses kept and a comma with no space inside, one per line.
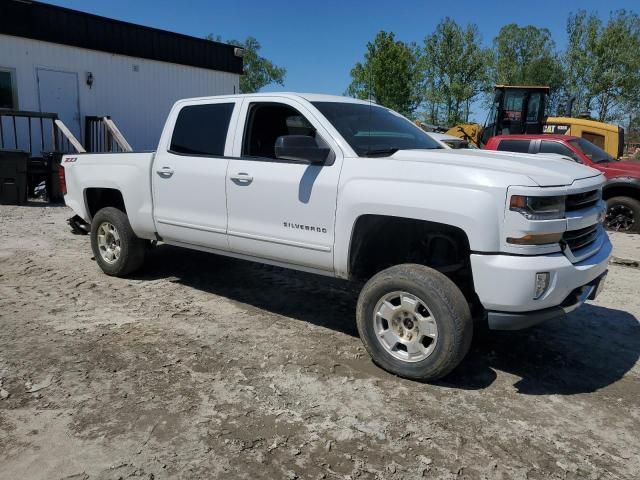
(58,93)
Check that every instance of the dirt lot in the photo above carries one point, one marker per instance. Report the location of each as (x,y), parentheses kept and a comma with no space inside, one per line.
(206,367)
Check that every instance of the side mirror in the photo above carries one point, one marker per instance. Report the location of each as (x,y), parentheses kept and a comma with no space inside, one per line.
(300,148)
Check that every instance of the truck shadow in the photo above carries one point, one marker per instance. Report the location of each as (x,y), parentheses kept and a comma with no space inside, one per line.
(319,300)
(584,352)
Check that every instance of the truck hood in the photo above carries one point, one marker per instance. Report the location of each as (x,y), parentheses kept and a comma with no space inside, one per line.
(543,170)
(629,168)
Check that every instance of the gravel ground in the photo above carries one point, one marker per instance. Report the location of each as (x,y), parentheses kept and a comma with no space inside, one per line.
(207,367)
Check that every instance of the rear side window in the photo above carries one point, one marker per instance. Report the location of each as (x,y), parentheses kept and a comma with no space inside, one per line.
(520,146)
(202,129)
(557,147)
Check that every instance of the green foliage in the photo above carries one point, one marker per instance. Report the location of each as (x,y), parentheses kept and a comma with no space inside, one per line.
(527,56)
(632,134)
(454,67)
(258,71)
(390,73)
(603,63)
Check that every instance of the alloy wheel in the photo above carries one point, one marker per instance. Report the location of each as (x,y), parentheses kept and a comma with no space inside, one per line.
(405,327)
(108,242)
(619,218)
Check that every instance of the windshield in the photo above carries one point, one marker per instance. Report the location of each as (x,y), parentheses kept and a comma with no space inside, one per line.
(374,131)
(593,153)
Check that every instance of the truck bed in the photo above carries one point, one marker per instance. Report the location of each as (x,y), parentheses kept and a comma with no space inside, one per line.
(128,173)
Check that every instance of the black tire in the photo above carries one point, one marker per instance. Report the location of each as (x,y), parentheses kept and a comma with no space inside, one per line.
(132,249)
(623,215)
(445,302)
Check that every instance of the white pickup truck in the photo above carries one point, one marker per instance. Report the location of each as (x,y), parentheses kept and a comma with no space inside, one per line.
(346,188)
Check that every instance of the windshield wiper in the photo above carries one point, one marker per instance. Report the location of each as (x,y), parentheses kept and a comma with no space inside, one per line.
(382,152)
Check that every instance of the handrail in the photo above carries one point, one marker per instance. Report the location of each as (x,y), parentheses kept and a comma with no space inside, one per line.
(28,114)
(102,135)
(117,134)
(18,127)
(70,137)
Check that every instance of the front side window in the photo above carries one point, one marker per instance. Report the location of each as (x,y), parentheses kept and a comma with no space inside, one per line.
(267,121)
(520,146)
(593,153)
(374,131)
(557,147)
(202,129)
(7,90)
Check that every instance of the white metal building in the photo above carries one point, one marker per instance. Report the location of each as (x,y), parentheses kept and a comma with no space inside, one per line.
(75,64)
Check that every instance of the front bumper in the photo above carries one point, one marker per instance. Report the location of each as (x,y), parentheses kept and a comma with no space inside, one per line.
(518,321)
(505,285)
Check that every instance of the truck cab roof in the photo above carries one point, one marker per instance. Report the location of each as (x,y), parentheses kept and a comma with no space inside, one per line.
(311,97)
(538,136)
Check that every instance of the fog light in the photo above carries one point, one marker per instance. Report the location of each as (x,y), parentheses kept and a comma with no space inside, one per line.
(542,283)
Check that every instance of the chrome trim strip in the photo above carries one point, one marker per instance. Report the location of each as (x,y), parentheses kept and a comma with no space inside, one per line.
(279,241)
(571,204)
(588,250)
(191,226)
(587,290)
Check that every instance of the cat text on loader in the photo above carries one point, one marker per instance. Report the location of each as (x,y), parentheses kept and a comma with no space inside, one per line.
(520,110)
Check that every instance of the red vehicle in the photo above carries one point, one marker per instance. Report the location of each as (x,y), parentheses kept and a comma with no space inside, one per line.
(622,190)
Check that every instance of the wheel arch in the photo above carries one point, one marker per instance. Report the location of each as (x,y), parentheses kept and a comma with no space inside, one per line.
(622,187)
(369,233)
(96,198)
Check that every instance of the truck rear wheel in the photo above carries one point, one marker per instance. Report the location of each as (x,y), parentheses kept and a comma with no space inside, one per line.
(116,248)
(623,214)
(414,322)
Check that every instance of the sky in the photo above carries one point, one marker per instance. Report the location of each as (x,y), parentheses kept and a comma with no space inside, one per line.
(318,42)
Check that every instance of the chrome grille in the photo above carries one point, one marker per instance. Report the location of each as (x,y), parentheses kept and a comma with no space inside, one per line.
(577,239)
(578,201)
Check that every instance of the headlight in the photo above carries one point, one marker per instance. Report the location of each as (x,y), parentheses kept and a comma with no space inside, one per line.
(538,208)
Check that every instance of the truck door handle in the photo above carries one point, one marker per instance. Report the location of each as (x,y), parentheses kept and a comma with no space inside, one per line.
(165,172)
(241,178)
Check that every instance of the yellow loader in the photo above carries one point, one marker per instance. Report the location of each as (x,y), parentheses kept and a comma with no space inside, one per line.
(520,109)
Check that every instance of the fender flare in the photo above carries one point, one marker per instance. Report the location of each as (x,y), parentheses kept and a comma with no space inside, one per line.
(625,182)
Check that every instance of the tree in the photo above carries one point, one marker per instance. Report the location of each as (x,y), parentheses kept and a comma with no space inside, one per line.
(258,71)
(390,72)
(527,56)
(632,133)
(603,63)
(454,67)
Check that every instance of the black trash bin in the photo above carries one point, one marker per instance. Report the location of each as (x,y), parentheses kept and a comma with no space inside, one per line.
(13,177)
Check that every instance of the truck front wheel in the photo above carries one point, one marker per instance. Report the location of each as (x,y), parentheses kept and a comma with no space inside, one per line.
(414,322)
(116,248)
(623,214)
